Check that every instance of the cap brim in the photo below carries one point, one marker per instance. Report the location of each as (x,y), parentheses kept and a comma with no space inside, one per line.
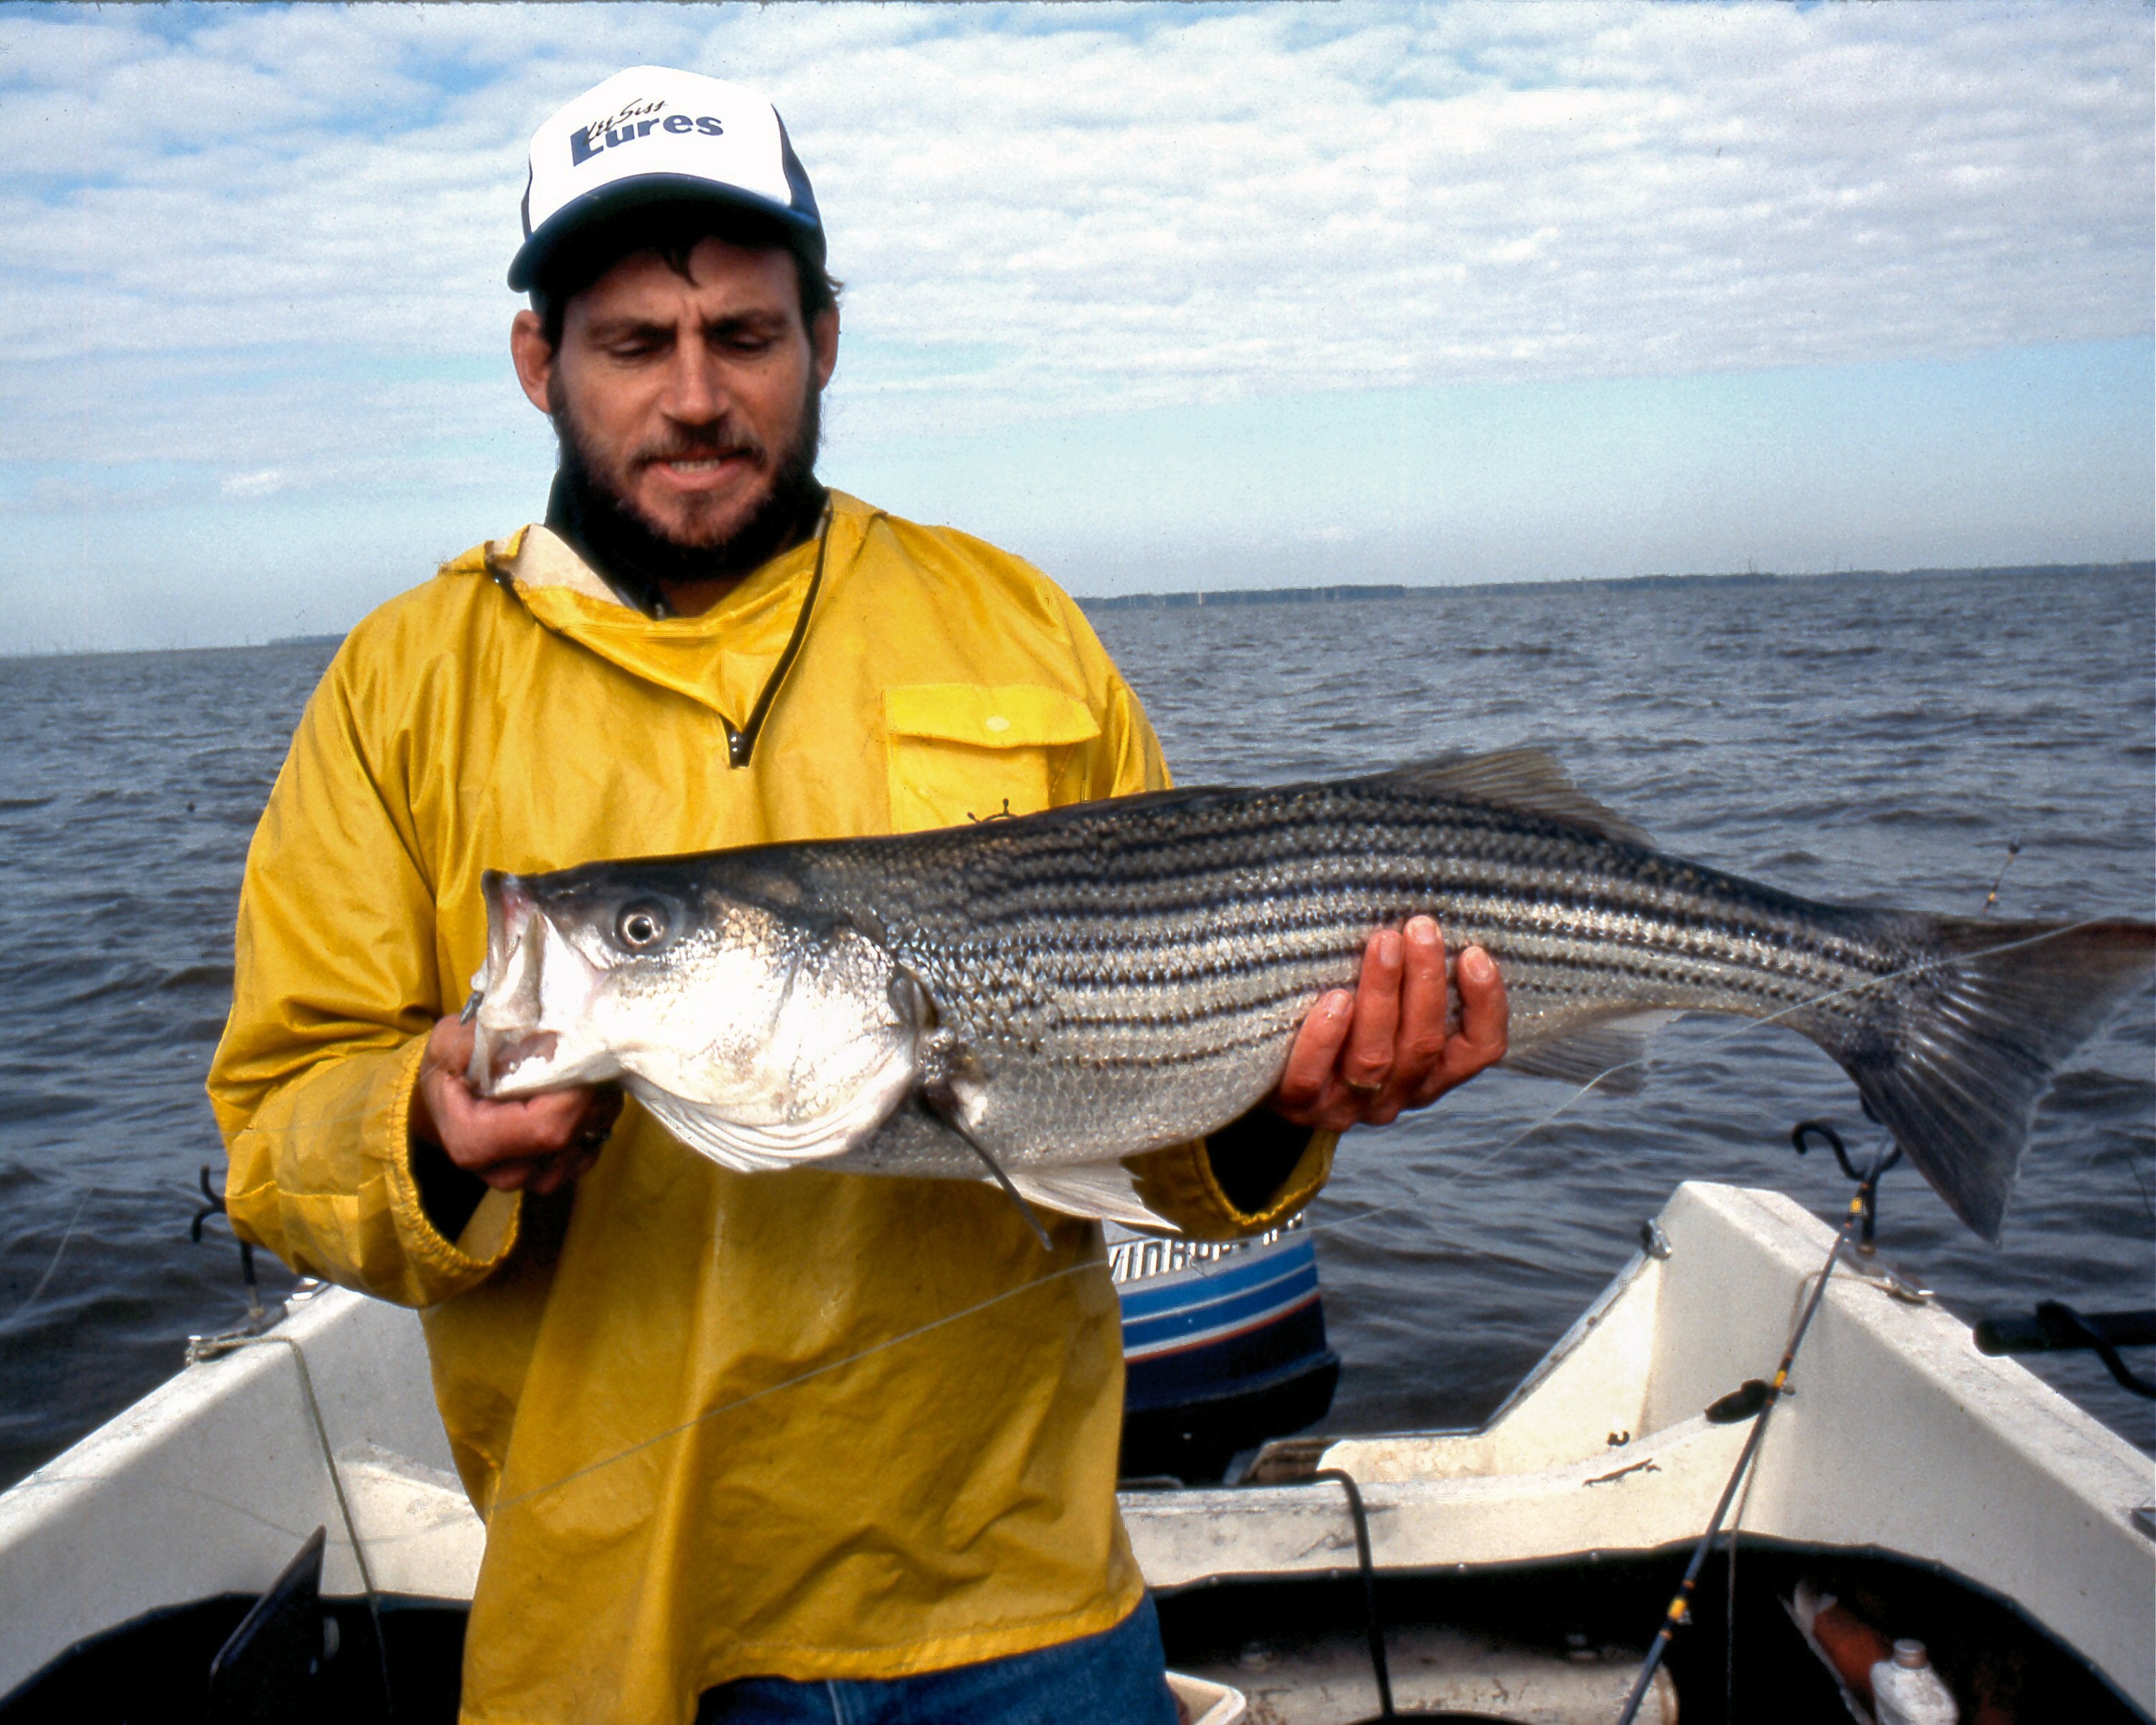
(647,191)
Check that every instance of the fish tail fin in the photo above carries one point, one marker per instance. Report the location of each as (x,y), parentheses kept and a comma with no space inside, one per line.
(1953,1057)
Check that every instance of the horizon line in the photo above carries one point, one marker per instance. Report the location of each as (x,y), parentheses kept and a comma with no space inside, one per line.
(1197,599)
(1200,599)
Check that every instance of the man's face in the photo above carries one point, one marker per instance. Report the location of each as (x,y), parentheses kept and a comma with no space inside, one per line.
(685,398)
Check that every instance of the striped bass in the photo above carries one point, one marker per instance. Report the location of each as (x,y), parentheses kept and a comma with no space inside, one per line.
(1049,995)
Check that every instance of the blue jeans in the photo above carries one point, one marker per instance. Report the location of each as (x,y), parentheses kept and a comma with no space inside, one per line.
(1117,1677)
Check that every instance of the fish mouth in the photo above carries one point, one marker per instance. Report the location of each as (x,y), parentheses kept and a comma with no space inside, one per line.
(510,911)
(532,992)
(506,1054)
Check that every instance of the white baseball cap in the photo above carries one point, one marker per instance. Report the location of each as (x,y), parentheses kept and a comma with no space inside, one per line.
(651,135)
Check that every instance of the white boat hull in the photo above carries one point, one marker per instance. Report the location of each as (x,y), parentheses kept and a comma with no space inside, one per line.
(1900,1438)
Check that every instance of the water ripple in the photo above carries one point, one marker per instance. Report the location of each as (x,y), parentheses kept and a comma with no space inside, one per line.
(1875,740)
(1868,739)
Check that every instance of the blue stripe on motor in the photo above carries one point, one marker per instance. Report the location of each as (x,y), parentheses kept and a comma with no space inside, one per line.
(1146,1300)
(1298,1282)
(1283,1347)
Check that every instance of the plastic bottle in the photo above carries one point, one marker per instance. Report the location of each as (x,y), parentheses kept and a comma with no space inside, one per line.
(1849,1645)
(1905,1691)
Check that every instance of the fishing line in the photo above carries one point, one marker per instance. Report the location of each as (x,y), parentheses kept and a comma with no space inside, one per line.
(314,1407)
(1991,898)
(31,1299)
(1312,1230)
(1729,1600)
(994,1300)
(2148,1199)
(1423,1199)
(979,1307)
(1679,1611)
(874,1348)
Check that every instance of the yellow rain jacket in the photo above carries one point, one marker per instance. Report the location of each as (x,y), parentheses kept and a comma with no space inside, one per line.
(794,1424)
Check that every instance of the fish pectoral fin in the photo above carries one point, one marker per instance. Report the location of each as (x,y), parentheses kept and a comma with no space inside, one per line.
(1103,1191)
(950,1088)
(1525,781)
(1610,1054)
(748,1147)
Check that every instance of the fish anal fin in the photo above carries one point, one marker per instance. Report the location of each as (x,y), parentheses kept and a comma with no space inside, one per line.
(1610,1052)
(1525,781)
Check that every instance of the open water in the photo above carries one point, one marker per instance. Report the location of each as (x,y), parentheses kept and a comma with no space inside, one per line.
(1878,739)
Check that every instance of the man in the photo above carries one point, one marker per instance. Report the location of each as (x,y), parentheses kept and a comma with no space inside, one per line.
(761,1446)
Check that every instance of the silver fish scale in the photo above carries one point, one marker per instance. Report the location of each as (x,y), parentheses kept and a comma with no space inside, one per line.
(1078,955)
(1101,980)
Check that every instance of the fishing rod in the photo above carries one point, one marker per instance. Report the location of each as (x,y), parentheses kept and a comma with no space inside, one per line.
(1865,1204)
(1770,1397)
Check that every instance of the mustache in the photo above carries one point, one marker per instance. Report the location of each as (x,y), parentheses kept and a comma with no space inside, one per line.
(699,442)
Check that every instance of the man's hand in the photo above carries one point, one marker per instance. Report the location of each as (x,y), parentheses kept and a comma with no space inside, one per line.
(1360,1058)
(529,1144)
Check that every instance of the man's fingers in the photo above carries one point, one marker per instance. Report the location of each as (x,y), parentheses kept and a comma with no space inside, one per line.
(1364,1059)
(1311,1060)
(508,1174)
(602,1108)
(529,1143)
(477,1132)
(556,1171)
(1484,1018)
(541,1175)
(1422,1006)
(449,1044)
(1368,1062)
(600,1112)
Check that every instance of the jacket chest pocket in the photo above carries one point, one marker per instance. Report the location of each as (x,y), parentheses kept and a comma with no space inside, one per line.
(962,752)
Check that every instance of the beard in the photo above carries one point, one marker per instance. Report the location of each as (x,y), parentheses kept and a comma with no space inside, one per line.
(592,508)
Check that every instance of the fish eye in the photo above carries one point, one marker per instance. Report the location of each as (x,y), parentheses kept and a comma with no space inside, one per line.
(641,926)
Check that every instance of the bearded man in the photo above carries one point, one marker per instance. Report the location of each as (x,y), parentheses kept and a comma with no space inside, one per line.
(776,1446)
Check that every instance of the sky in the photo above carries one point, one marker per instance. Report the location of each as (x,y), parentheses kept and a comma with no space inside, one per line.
(1158,297)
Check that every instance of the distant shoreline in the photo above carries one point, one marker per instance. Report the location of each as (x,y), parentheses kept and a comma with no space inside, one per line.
(1351,593)
(1336,593)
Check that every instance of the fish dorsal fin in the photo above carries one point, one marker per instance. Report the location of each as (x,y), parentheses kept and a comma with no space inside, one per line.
(1525,781)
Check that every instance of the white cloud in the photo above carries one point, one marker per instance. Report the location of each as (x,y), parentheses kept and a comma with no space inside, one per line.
(262,482)
(1130,207)
(247,250)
